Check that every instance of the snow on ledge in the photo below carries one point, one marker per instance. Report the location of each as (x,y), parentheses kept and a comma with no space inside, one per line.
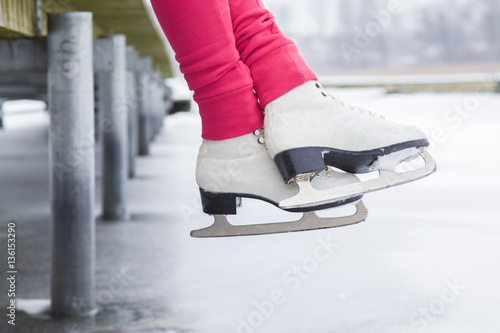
(33,307)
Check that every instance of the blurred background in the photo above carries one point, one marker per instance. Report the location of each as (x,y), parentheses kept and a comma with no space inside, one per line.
(421,36)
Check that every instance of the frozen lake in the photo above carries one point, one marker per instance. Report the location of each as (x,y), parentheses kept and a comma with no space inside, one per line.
(426,260)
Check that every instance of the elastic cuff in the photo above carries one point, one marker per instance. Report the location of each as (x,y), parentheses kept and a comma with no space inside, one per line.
(231,114)
(278,72)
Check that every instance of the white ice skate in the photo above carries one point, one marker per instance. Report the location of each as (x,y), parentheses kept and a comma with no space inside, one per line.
(308,129)
(242,168)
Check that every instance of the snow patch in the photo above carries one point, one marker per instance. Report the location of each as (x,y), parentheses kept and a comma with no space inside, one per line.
(33,307)
(391,161)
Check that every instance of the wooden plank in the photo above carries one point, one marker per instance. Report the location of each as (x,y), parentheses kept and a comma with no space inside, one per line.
(132,18)
(17,18)
(128,17)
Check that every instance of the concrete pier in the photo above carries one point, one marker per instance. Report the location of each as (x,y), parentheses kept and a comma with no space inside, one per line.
(71,103)
(1,113)
(113,126)
(159,100)
(133,117)
(144,105)
(132,123)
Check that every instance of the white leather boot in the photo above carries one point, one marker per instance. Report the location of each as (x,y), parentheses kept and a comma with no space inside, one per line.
(242,168)
(307,128)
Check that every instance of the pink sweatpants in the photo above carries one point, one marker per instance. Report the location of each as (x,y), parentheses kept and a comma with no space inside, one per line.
(234,58)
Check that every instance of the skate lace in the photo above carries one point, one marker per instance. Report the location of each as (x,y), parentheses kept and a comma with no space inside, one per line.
(352,107)
(259,133)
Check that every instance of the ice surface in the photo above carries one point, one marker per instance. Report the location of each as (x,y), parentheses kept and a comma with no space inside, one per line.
(426,260)
(421,242)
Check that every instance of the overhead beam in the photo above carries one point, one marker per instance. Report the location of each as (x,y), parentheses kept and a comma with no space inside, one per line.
(20,18)
(17,18)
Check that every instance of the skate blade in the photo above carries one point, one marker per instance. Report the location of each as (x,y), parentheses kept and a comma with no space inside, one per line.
(309,221)
(308,195)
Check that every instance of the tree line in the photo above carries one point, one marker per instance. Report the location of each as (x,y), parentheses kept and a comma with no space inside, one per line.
(387,34)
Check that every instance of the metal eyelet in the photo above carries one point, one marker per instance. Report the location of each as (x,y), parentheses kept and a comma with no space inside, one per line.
(260,134)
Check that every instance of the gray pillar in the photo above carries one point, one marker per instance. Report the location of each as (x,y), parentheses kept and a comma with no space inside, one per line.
(153,118)
(71,103)
(1,113)
(154,108)
(114,126)
(160,99)
(133,120)
(143,93)
(143,104)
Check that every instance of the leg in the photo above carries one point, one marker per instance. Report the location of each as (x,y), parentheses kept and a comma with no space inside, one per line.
(306,129)
(201,35)
(274,60)
(233,162)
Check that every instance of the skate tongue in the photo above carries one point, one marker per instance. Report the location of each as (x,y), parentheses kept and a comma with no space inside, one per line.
(309,196)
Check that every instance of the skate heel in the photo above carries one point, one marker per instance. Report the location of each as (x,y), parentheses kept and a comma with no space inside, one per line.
(299,161)
(218,203)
